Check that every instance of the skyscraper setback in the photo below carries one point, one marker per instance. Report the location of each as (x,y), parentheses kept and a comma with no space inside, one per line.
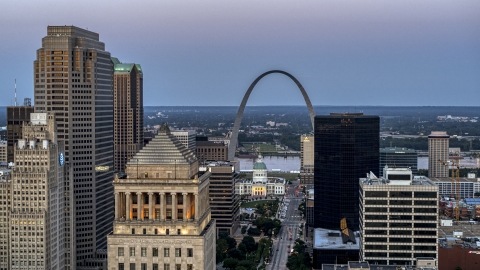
(74,81)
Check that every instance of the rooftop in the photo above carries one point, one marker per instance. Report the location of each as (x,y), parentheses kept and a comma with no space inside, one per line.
(164,148)
(332,239)
(397,150)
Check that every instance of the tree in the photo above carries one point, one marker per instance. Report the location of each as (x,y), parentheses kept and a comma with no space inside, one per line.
(247,264)
(230,263)
(242,247)
(222,248)
(241,268)
(232,243)
(253,231)
(244,229)
(249,243)
(236,254)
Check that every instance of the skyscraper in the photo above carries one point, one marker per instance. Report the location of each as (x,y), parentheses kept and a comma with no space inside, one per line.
(438,144)
(346,146)
(33,235)
(128,112)
(74,80)
(162,212)
(306,159)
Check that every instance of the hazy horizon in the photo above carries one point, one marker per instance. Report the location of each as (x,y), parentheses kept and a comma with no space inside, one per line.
(373,52)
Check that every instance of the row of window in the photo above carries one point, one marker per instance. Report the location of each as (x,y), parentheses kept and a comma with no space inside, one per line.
(143,266)
(154,252)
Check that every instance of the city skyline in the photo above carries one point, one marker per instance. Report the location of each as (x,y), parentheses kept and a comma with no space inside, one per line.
(350,53)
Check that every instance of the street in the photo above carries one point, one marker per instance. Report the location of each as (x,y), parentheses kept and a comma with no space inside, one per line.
(289,230)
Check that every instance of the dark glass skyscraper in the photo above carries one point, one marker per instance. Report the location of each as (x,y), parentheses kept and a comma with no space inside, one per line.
(346,148)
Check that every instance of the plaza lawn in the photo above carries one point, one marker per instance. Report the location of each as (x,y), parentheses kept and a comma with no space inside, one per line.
(253,204)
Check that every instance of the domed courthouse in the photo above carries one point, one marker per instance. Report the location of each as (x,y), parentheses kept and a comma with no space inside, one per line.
(260,185)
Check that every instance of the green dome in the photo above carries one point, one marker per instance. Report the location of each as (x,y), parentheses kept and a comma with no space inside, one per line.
(259,166)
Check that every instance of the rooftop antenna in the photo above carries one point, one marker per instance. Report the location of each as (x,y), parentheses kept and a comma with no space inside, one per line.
(15,92)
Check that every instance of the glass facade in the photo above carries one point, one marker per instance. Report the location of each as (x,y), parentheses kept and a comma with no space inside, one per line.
(346,147)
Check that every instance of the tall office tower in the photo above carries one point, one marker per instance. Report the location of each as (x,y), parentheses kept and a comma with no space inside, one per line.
(223,199)
(187,137)
(128,112)
(16,116)
(74,80)
(5,201)
(36,215)
(395,157)
(306,159)
(438,143)
(346,146)
(162,211)
(399,218)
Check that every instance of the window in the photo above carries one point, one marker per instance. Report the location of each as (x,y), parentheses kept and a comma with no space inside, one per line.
(178,267)
(155,252)
(166,252)
(189,266)
(132,266)
(133,231)
(156,231)
(155,266)
(144,231)
(121,266)
(120,251)
(178,252)
(143,266)
(167,231)
(179,232)
(166,266)
(189,252)
(144,252)
(132,251)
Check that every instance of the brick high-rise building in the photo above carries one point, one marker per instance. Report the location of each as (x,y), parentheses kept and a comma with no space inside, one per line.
(438,143)
(306,159)
(73,78)
(128,111)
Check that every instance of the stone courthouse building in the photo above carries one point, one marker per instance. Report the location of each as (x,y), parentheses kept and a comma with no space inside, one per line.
(162,211)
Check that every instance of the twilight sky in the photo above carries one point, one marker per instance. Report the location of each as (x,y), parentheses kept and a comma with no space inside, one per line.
(369,52)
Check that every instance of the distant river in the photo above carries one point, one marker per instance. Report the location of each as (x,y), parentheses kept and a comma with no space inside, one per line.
(293,163)
(422,163)
(273,163)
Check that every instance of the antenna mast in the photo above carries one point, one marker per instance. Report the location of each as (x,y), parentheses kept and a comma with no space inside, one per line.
(15,92)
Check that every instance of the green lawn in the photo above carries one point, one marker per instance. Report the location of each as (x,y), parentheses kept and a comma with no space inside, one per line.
(261,147)
(253,203)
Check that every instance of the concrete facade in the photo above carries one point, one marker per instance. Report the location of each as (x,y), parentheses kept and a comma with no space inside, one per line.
(187,137)
(398,218)
(162,211)
(3,151)
(34,195)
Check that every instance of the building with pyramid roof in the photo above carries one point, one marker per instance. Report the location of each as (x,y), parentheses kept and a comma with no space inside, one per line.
(162,212)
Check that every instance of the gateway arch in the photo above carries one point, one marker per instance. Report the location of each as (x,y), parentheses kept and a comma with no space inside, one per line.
(234,137)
